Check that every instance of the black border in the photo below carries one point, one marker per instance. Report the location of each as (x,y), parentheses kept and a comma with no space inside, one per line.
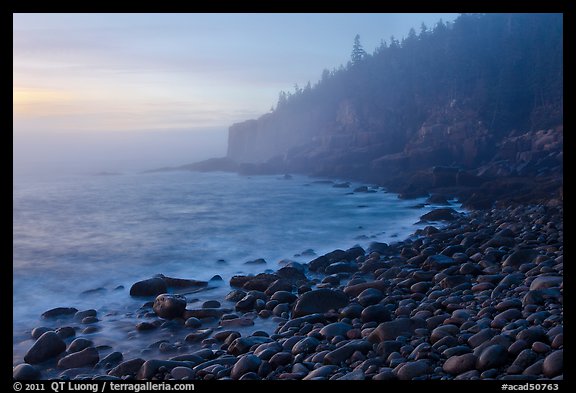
(356,6)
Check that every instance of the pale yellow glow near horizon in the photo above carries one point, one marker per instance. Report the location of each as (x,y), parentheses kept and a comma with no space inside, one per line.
(37,101)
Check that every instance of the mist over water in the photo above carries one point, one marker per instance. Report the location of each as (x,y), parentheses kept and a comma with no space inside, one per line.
(76,233)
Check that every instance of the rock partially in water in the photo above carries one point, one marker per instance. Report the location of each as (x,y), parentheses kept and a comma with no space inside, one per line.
(169,306)
(25,372)
(59,312)
(87,357)
(47,346)
(150,287)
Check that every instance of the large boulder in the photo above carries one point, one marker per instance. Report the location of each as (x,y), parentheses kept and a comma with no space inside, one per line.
(47,346)
(443,214)
(319,301)
(169,306)
(151,287)
(87,357)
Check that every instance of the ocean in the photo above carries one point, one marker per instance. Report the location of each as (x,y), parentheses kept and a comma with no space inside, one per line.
(82,240)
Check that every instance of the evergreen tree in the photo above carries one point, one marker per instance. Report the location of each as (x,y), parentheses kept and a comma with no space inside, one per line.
(358,52)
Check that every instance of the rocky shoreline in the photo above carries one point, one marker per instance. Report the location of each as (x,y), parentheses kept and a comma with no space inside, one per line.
(478,297)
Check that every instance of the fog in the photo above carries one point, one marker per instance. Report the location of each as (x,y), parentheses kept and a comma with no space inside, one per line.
(106,151)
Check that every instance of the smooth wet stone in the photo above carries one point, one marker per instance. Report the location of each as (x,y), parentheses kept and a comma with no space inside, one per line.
(37,332)
(79,344)
(342,353)
(151,367)
(182,373)
(243,344)
(80,315)
(284,297)
(306,345)
(59,312)
(47,346)
(128,367)
(492,356)
(520,257)
(110,360)
(169,306)
(150,287)
(335,329)
(245,365)
(198,335)
(553,364)
(392,329)
(544,282)
(319,301)
(321,372)
(87,357)
(459,364)
(369,296)
(375,313)
(25,372)
(412,370)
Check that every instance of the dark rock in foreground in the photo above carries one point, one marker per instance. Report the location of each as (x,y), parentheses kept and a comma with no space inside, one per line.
(47,346)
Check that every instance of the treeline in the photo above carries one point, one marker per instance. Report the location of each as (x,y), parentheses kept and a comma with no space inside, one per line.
(506,68)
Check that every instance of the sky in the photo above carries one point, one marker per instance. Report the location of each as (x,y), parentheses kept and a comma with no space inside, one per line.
(86,81)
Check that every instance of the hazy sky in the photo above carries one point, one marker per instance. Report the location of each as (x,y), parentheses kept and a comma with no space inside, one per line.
(107,73)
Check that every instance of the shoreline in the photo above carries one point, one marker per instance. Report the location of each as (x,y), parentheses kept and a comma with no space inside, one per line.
(456,303)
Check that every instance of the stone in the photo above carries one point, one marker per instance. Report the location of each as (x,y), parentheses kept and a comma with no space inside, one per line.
(412,370)
(198,335)
(520,257)
(65,332)
(335,329)
(169,306)
(459,364)
(319,301)
(306,345)
(144,326)
(369,296)
(25,372)
(110,360)
(392,329)
(79,344)
(245,365)
(181,283)
(344,352)
(80,315)
(341,267)
(151,367)
(59,312)
(235,295)
(443,214)
(480,337)
(284,297)
(47,346)
(182,373)
(37,332)
(375,313)
(280,359)
(553,364)
(356,289)
(544,282)
(129,367)
(321,372)
(87,357)
(242,345)
(291,273)
(492,356)
(211,304)
(150,287)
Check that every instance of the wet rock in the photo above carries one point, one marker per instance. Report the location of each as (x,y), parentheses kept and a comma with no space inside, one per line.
(443,214)
(211,304)
(110,360)
(80,315)
(356,289)
(37,332)
(150,287)
(25,372)
(259,261)
(280,359)
(129,367)
(151,367)
(79,344)
(245,365)
(369,297)
(306,345)
(335,329)
(321,372)
(243,344)
(492,356)
(284,297)
(182,373)
(193,323)
(145,326)
(459,364)
(553,364)
(169,306)
(356,375)
(398,327)
(520,257)
(59,312)
(205,312)
(198,335)
(260,282)
(47,346)
(412,370)
(291,273)
(341,267)
(235,295)
(279,285)
(319,301)
(65,332)
(480,337)
(543,282)
(85,358)
(344,352)
(181,283)
(375,313)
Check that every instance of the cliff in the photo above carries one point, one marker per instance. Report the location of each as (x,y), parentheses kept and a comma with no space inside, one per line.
(481,97)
